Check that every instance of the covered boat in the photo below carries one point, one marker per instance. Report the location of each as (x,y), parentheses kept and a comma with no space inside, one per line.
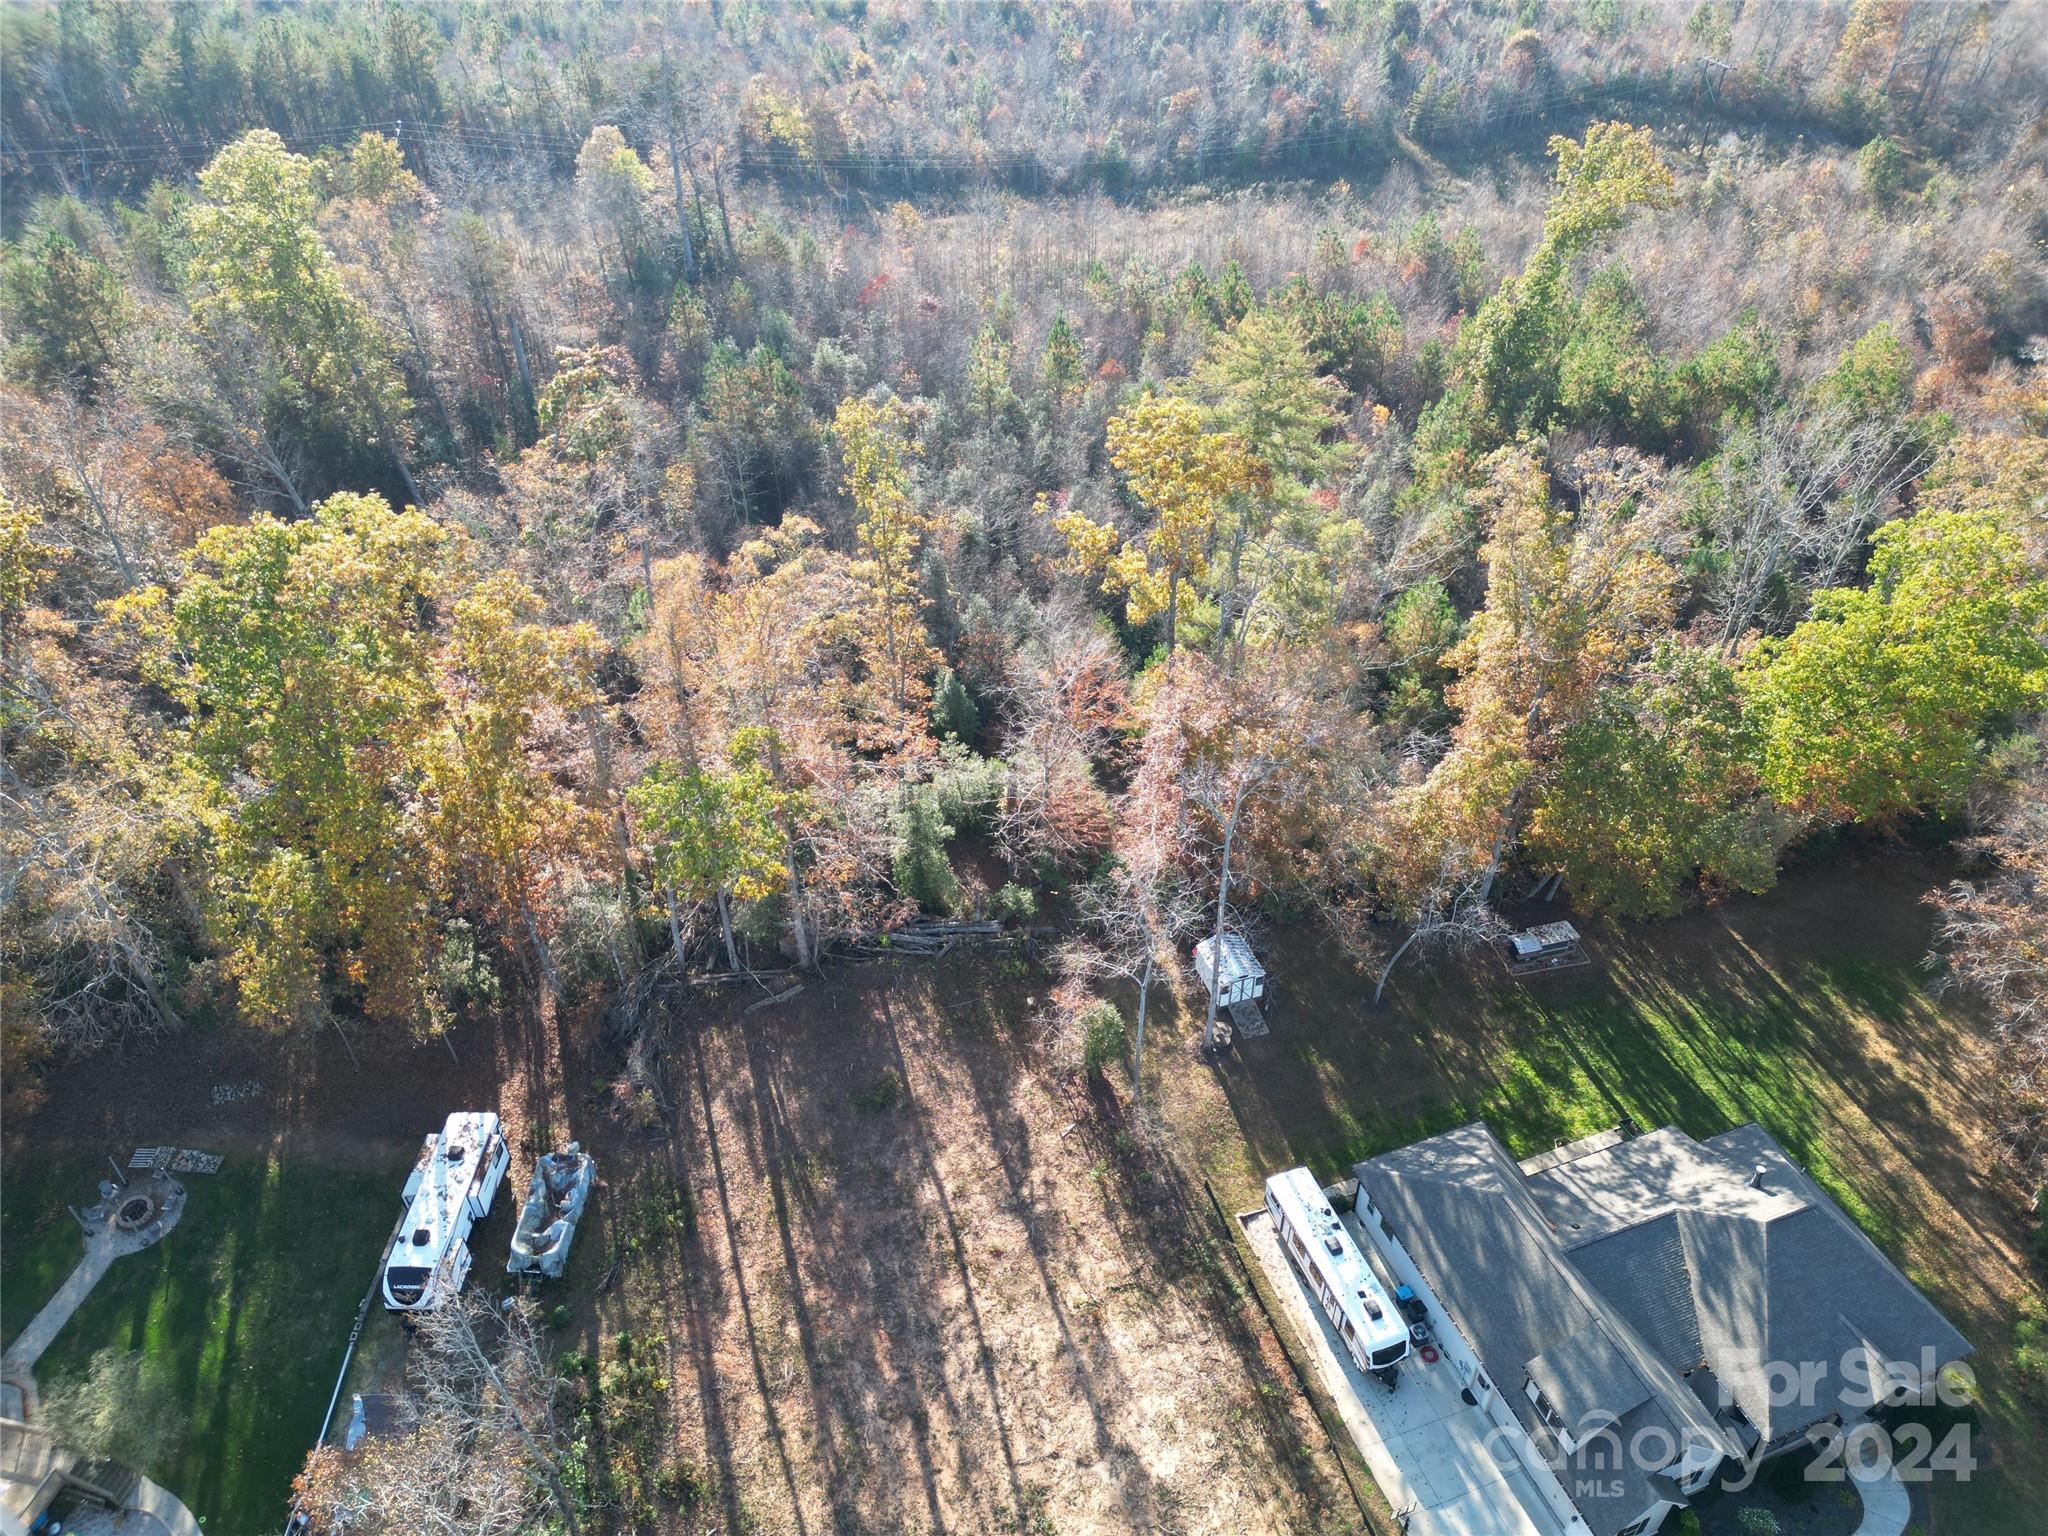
(554,1204)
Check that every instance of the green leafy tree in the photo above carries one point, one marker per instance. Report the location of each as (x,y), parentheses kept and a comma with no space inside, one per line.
(1184,476)
(65,311)
(754,441)
(1261,386)
(1608,375)
(616,187)
(1661,779)
(876,451)
(583,409)
(505,828)
(257,259)
(1734,377)
(1060,367)
(1571,600)
(988,377)
(954,712)
(922,870)
(1353,340)
(1260,382)
(714,833)
(1234,296)
(1419,629)
(1880,170)
(301,656)
(1876,706)
(1874,376)
(1506,359)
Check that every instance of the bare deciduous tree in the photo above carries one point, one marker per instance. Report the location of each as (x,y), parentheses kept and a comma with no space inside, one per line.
(213,391)
(1243,752)
(1062,705)
(1448,912)
(482,1451)
(1796,494)
(1991,938)
(1137,910)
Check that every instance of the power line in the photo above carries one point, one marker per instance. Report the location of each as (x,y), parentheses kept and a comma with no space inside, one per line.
(494,139)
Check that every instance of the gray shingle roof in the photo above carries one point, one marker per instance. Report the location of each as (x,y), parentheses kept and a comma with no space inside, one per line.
(1641,1271)
(1775,1272)
(1825,1288)
(1588,1373)
(1460,1206)
(1606,1276)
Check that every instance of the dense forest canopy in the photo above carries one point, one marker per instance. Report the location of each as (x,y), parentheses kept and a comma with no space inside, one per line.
(509,497)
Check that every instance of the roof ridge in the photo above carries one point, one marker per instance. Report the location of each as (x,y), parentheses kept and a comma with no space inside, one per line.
(1664,1384)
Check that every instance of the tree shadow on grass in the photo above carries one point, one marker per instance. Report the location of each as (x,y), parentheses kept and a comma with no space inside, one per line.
(839,1234)
(1169,1237)
(1804,1010)
(734,1261)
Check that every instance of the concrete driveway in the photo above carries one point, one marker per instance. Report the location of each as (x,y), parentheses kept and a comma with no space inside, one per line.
(1428,1449)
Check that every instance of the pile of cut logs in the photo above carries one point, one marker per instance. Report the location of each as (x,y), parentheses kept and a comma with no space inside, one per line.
(926,936)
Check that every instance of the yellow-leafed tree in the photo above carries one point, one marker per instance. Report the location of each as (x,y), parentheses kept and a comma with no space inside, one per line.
(875,453)
(1183,475)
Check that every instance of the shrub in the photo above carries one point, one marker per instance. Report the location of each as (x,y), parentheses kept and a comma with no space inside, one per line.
(923,872)
(968,788)
(683,1482)
(953,709)
(1102,1036)
(123,1407)
(880,1095)
(462,972)
(1016,902)
(1757,1522)
(595,931)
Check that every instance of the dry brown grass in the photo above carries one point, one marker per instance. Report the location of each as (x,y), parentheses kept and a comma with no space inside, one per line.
(975,1300)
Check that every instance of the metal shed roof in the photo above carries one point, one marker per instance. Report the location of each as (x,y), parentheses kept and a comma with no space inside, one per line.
(1238,960)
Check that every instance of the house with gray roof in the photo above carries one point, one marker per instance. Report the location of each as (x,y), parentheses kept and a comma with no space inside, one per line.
(1650,1306)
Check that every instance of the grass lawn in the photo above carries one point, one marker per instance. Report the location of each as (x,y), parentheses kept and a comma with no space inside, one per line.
(245,1306)
(1805,1010)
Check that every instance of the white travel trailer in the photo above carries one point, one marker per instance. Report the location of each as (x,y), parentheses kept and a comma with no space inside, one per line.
(1351,1296)
(450,1191)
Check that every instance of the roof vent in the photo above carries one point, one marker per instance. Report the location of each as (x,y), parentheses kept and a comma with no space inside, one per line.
(1756,1179)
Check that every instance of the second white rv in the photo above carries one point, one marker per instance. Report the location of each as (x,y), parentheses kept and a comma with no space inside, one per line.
(450,1191)
(1375,1334)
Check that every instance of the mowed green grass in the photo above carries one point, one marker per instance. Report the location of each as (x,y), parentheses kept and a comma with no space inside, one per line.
(244,1308)
(1807,1010)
